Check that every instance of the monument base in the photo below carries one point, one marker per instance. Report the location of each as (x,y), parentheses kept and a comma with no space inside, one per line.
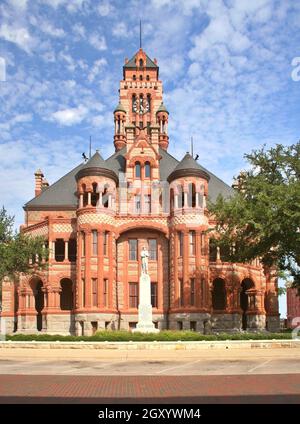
(145,324)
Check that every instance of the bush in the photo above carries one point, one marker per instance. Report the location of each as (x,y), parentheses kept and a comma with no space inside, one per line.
(165,336)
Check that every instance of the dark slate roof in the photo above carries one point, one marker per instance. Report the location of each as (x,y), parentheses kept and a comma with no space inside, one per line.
(96,161)
(62,192)
(188,162)
(59,194)
(120,108)
(216,186)
(132,64)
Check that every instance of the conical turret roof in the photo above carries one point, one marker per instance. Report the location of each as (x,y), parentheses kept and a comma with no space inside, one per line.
(96,165)
(188,167)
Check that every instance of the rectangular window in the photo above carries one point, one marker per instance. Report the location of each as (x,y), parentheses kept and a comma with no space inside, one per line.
(133,245)
(192,237)
(83,292)
(105,242)
(137,203)
(105,292)
(82,243)
(192,291)
(133,295)
(147,203)
(94,292)
(193,325)
(181,293)
(180,239)
(152,249)
(154,302)
(179,325)
(95,242)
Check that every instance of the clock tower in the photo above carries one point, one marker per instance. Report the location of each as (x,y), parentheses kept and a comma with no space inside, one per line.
(141,105)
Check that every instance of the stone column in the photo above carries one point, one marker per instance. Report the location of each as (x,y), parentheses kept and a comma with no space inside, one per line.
(185,264)
(89,198)
(66,250)
(88,291)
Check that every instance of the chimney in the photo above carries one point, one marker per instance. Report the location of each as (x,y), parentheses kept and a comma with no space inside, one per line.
(38,182)
(45,184)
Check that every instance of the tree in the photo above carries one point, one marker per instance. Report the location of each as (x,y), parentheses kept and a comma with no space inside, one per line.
(262,219)
(19,253)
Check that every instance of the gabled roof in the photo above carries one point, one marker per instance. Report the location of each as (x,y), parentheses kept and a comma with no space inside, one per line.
(132,63)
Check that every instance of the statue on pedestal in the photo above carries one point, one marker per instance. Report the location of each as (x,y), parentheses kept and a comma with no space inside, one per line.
(144,256)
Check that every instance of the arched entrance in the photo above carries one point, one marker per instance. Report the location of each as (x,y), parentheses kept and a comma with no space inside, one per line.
(66,295)
(36,286)
(219,295)
(246,284)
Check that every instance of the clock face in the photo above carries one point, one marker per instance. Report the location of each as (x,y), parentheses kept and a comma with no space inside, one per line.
(141,107)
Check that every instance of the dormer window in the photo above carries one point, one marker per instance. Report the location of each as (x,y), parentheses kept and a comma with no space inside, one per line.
(141,63)
(137,170)
(147,170)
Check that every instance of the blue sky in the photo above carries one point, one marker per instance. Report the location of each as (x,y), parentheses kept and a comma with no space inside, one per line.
(226,67)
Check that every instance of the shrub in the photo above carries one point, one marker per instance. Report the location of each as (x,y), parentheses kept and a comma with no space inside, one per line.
(166,335)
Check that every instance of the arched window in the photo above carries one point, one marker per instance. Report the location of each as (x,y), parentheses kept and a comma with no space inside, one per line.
(134,103)
(134,77)
(193,193)
(147,78)
(137,170)
(148,102)
(85,195)
(219,295)
(141,77)
(147,170)
(171,199)
(66,295)
(247,284)
(141,63)
(105,196)
(95,195)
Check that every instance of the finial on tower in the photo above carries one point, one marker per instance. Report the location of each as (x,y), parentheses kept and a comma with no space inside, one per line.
(140,33)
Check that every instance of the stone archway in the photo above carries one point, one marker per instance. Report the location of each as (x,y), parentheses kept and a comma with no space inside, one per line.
(246,284)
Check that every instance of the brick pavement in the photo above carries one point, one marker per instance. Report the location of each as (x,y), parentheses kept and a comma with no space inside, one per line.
(284,388)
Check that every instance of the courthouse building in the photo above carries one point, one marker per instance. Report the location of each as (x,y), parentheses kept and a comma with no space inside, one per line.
(97,218)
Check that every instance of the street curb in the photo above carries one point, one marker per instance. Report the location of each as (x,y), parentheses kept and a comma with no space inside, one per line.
(155,345)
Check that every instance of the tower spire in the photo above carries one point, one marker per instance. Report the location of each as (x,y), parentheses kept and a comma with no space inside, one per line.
(140,33)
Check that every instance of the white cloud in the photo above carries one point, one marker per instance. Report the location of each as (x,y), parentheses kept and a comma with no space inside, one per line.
(105,8)
(19,4)
(70,116)
(18,35)
(49,29)
(120,30)
(98,41)
(97,67)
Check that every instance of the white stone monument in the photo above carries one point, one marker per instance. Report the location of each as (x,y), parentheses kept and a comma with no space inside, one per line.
(145,323)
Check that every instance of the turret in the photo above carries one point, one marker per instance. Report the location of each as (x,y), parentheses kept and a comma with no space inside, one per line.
(162,115)
(119,119)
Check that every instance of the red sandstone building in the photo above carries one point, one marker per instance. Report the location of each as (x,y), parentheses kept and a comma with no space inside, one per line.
(293,307)
(97,218)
